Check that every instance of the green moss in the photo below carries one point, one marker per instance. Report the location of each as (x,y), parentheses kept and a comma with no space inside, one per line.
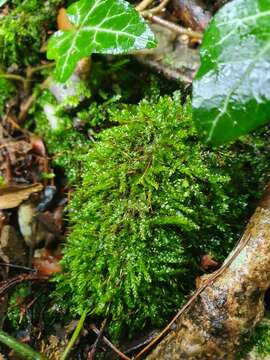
(67,146)
(258,343)
(15,303)
(152,199)
(105,85)
(18,311)
(6,91)
(25,29)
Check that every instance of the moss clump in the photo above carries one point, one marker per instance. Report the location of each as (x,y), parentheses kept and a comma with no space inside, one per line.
(152,199)
(25,29)
(257,345)
(67,145)
(6,91)
(16,299)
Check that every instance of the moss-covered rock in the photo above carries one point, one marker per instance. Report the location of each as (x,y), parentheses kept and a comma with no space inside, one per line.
(153,198)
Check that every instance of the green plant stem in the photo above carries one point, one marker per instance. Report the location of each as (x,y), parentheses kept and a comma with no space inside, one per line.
(42,67)
(14,77)
(23,350)
(74,336)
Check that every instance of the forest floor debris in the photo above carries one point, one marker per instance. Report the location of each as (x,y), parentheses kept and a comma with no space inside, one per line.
(111,122)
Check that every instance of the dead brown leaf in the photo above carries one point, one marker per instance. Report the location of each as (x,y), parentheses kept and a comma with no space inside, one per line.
(12,196)
(208,262)
(63,22)
(38,146)
(17,149)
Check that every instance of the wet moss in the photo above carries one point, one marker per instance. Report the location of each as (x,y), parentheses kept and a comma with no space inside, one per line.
(6,91)
(24,30)
(257,344)
(150,200)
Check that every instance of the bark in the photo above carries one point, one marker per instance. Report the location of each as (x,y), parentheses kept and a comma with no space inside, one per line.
(172,58)
(230,302)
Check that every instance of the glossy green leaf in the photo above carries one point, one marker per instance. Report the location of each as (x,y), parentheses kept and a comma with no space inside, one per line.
(2,2)
(231,92)
(100,26)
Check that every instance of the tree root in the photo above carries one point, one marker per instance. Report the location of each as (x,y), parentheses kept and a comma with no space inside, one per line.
(230,304)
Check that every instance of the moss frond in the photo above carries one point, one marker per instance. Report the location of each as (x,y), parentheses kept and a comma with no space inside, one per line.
(152,199)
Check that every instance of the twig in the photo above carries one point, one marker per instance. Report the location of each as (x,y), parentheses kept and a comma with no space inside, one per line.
(143,5)
(118,352)
(6,285)
(8,169)
(169,73)
(94,348)
(8,117)
(17,266)
(22,349)
(40,68)
(15,77)
(156,9)
(25,106)
(74,336)
(180,30)
(239,247)
(153,334)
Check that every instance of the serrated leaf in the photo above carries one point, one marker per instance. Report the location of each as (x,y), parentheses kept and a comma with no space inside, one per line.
(100,26)
(231,91)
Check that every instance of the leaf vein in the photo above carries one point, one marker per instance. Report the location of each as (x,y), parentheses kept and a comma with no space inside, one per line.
(227,99)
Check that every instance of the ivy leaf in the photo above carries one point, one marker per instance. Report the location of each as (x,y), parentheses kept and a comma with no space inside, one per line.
(100,26)
(231,92)
(2,2)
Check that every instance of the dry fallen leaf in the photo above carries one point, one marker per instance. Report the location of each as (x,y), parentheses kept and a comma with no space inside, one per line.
(63,22)
(12,196)
(38,146)
(208,262)
(46,263)
(11,246)
(17,149)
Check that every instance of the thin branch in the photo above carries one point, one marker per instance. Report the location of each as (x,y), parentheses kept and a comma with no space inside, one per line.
(40,68)
(143,5)
(94,348)
(25,106)
(117,351)
(180,30)
(15,77)
(139,345)
(169,73)
(17,266)
(6,285)
(156,9)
